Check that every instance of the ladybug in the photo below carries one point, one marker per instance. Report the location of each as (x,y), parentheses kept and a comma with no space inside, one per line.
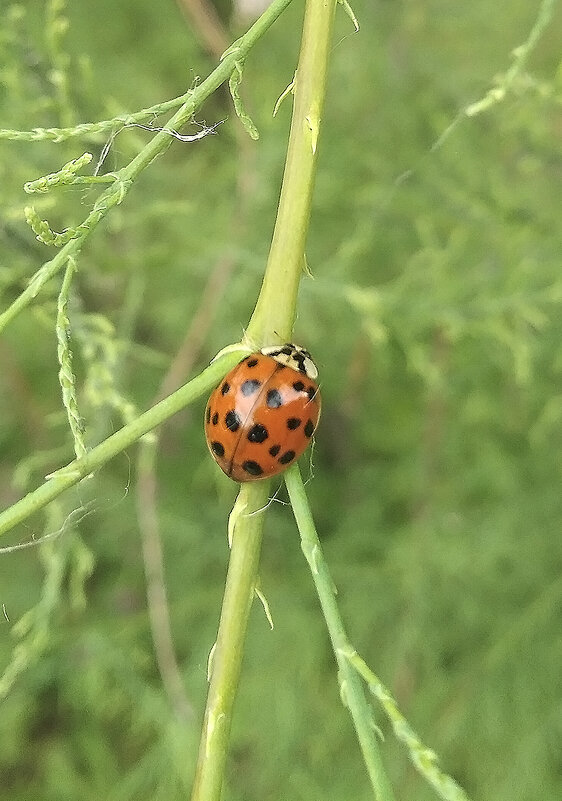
(263,414)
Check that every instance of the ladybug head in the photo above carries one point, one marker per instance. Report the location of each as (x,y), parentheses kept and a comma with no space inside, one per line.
(293,356)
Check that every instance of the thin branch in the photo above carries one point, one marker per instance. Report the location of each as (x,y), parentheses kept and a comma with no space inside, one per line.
(70,475)
(95,130)
(147,492)
(350,686)
(156,585)
(125,177)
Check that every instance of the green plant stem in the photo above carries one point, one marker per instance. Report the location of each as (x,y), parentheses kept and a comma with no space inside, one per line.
(272,319)
(275,309)
(425,759)
(116,193)
(350,683)
(67,379)
(226,660)
(94,130)
(126,436)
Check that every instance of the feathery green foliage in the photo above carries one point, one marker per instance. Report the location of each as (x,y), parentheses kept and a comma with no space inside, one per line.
(434,317)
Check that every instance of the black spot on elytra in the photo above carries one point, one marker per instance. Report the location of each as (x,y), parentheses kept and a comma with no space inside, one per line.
(253,468)
(208,415)
(311,392)
(298,386)
(274,450)
(274,399)
(217,449)
(287,457)
(309,428)
(250,386)
(232,420)
(252,363)
(225,388)
(215,418)
(293,423)
(257,433)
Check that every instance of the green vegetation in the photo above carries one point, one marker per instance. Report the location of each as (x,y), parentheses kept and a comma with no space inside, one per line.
(431,299)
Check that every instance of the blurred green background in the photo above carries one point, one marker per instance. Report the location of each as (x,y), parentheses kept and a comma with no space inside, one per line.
(434,317)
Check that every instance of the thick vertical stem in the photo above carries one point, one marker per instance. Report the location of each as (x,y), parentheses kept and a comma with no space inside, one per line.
(226,661)
(272,320)
(274,314)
